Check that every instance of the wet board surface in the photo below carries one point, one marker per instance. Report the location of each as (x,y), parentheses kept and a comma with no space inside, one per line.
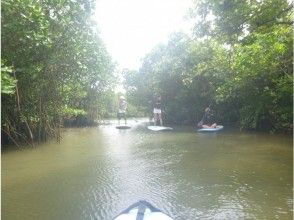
(159,128)
(123,127)
(218,128)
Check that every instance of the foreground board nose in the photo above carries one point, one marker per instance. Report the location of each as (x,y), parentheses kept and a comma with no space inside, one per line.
(142,210)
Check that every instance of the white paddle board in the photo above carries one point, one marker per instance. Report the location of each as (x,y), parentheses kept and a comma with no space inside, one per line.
(159,128)
(123,127)
(217,128)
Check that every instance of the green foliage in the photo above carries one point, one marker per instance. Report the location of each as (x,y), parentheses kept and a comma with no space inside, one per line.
(231,20)
(61,65)
(185,73)
(261,75)
(8,83)
(241,64)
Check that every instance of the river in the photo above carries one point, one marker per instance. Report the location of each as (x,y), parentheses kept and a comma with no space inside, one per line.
(95,173)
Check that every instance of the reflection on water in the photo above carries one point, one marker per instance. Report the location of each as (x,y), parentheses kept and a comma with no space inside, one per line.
(94,173)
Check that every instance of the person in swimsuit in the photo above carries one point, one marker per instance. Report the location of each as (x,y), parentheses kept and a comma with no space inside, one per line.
(208,120)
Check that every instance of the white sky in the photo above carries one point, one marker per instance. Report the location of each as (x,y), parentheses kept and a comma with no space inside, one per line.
(131,28)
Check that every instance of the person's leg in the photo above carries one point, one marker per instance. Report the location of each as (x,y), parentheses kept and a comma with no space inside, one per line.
(160,118)
(125,116)
(155,118)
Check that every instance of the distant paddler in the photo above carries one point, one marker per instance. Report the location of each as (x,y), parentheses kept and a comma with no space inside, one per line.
(157,110)
(208,120)
(122,109)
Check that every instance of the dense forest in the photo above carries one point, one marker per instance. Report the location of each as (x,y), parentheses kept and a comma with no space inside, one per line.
(56,71)
(54,67)
(239,61)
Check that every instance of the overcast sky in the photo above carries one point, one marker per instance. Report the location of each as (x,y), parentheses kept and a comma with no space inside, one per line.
(131,28)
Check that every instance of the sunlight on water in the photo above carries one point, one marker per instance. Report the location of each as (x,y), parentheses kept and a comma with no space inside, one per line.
(95,173)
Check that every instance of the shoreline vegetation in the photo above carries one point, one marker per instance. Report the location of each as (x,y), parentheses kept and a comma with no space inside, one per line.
(56,71)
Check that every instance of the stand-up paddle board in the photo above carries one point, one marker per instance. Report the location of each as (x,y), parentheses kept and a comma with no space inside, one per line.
(123,127)
(142,210)
(217,128)
(159,128)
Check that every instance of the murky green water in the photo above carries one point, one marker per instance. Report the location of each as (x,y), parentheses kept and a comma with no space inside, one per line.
(94,173)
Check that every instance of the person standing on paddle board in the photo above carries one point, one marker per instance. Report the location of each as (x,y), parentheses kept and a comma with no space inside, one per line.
(157,110)
(122,108)
(208,119)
